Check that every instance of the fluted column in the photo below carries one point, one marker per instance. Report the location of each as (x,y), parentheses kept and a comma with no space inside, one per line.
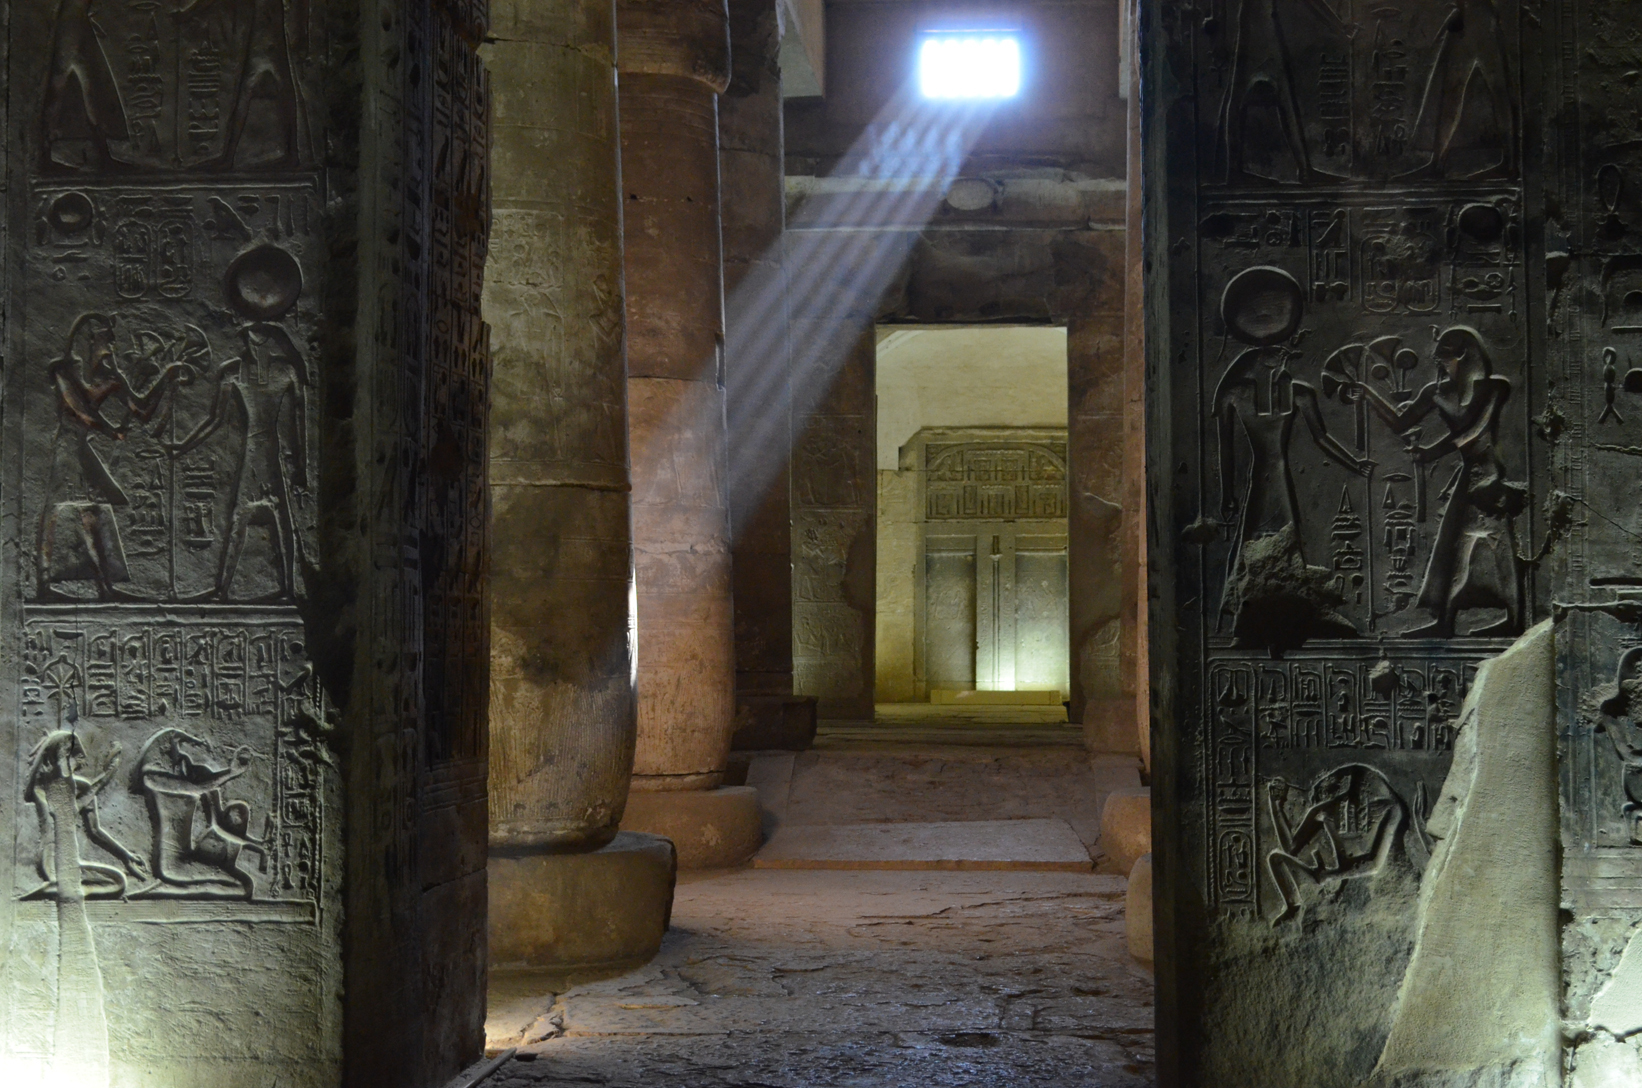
(674,59)
(562,712)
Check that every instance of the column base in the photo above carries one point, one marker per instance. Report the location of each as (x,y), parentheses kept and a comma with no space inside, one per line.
(582,916)
(713,829)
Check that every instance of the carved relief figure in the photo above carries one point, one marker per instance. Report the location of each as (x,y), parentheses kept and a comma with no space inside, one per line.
(199,835)
(1474,561)
(264,75)
(264,388)
(1617,705)
(1261,114)
(1346,825)
(1467,126)
(79,538)
(63,798)
(82,111)
(1274,597)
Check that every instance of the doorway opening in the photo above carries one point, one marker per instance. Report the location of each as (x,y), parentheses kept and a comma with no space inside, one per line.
(972,516)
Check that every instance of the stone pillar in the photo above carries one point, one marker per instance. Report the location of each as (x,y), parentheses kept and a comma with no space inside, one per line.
(835,526)
(758,388)
(562,716)
(674,57)
(1096,519)
(244,631)
(1135,660)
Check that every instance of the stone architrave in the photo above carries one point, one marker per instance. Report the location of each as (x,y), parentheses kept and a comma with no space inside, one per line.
(242,610)
(562,714)
(674,60)
(1354,276)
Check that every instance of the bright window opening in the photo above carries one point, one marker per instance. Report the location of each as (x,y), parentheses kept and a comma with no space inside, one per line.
(973,64)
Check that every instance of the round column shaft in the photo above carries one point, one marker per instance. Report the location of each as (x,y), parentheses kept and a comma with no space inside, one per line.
(562,702)
(674,61)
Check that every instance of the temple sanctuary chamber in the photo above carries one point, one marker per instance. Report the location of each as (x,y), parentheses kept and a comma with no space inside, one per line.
(811,543)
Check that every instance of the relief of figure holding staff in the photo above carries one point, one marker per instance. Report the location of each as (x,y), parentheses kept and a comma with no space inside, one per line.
(1474,561)
(263,391)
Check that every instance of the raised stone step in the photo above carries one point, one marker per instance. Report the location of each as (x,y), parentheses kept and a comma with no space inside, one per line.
(1048,845)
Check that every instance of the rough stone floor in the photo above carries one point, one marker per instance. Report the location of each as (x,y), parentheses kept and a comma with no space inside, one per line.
(793,979)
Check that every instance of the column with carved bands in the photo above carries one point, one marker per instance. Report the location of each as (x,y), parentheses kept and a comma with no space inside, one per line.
(674,61)
(562,716)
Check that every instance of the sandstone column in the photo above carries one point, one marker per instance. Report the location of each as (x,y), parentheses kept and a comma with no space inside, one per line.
(243,638)
(674,60)
(562,713)
(757,364)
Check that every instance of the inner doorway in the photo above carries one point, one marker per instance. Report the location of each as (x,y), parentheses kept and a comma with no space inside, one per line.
(972,515)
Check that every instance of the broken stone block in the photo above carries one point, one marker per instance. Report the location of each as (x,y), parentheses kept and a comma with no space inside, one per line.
(1137,909)
(1126,826)
(713,829)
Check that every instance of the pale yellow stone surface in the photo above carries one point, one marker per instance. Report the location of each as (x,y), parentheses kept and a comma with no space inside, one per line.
(1483,987)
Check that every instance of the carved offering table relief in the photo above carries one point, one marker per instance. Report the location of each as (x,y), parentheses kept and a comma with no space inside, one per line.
(1349,453)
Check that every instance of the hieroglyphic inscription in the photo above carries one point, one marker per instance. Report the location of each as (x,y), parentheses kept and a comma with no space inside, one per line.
(177,399)
(1291,720)
(1353,406)
(163,403)
(201,746)
(994,480)
(1594,257)
(454,618)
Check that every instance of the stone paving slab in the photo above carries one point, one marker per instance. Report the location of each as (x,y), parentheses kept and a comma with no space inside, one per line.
(827,979)
(1043,845)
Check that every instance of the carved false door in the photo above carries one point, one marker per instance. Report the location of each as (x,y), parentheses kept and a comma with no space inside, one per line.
(1342,436)
(992,579)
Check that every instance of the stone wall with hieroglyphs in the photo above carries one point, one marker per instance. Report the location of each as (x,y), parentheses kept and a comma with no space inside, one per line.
(244,505)
(1350,439)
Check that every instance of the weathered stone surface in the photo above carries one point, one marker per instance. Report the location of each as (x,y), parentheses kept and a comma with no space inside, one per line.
(879,980)
(1134,651)
(1351,501)
(1617,1007)
(1126,826)
(764,722)
(1137,909)
(581,914)
(245,632)
(834,537)
(1040,845)
(712,828)
(1482,992)
(562,714)
(757,358)
(686,652)
(674,57)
